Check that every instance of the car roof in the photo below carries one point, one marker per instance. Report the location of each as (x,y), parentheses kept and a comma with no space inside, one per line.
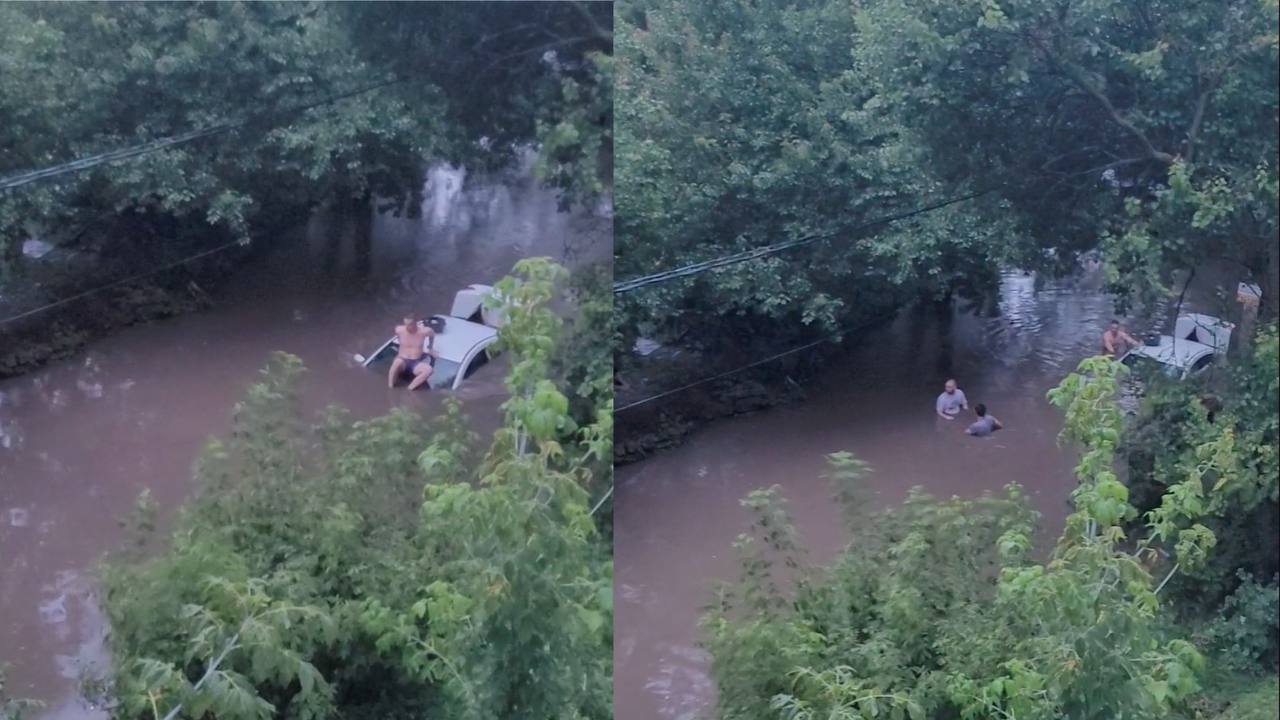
(1181,354)
(460,336)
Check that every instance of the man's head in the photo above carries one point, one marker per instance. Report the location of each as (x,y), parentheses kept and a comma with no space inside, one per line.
(410,321)
(1114,326)
(980,409)
(950,387)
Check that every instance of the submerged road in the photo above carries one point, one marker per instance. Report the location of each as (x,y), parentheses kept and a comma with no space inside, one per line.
(676,514)
(80,439)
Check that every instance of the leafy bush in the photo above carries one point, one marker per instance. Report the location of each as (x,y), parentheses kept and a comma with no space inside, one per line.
(1257,703)
(1231,695)
(937,609)
(875,631)
(583,362)
(1166,441)
(386,568)
(1246,632)
(583,368)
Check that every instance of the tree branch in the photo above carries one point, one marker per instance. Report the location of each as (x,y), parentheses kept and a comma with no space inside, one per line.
(1077,76)
(1201,103)
(213,667)
(1167,578)
(600,32)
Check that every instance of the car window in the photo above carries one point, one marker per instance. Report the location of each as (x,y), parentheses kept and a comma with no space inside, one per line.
(445,372)
(480,359)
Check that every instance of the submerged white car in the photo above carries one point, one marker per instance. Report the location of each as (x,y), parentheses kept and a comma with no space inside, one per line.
(461,338)
(1196,340)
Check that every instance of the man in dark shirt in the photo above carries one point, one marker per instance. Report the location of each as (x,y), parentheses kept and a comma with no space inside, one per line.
(985,424)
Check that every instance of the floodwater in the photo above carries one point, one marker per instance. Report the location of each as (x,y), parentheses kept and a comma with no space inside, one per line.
(677,514)
(80,439)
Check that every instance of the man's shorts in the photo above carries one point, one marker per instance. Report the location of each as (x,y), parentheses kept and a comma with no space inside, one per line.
(411,366)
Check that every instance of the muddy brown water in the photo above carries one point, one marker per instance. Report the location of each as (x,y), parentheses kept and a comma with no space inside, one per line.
(677,514)
(80,439)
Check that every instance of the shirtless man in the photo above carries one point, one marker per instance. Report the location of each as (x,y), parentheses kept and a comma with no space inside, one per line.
(1115,341)
(416,356)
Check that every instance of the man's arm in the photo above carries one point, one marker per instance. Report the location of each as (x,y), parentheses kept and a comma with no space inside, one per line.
(1108,344)
(996,423)
(1128,338)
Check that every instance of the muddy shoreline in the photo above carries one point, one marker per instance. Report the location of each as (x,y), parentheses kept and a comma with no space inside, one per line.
(662,424)
(32,342)
(667,422)
(59,332)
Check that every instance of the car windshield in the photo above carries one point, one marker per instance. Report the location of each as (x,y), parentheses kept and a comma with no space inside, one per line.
(1144,365)
(1135,362)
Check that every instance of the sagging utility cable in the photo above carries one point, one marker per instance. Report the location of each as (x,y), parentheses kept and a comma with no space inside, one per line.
(133,151)
(748,366)
(668,275)
(122,281)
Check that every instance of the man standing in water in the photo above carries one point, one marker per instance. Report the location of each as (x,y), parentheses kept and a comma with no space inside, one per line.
(985,424)
(416,356)
(951,401)
(1115,341)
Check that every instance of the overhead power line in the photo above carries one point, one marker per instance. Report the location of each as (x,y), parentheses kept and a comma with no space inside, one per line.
(748,366)
(148,147)
(85,163)
(688,270)
(722,375)
(122,281)
(128,153)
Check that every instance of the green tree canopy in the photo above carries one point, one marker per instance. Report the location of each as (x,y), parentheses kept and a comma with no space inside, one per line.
(80,79)
(1146,132)
(88,78)
(513,72)
(743,124)
(1149,126)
